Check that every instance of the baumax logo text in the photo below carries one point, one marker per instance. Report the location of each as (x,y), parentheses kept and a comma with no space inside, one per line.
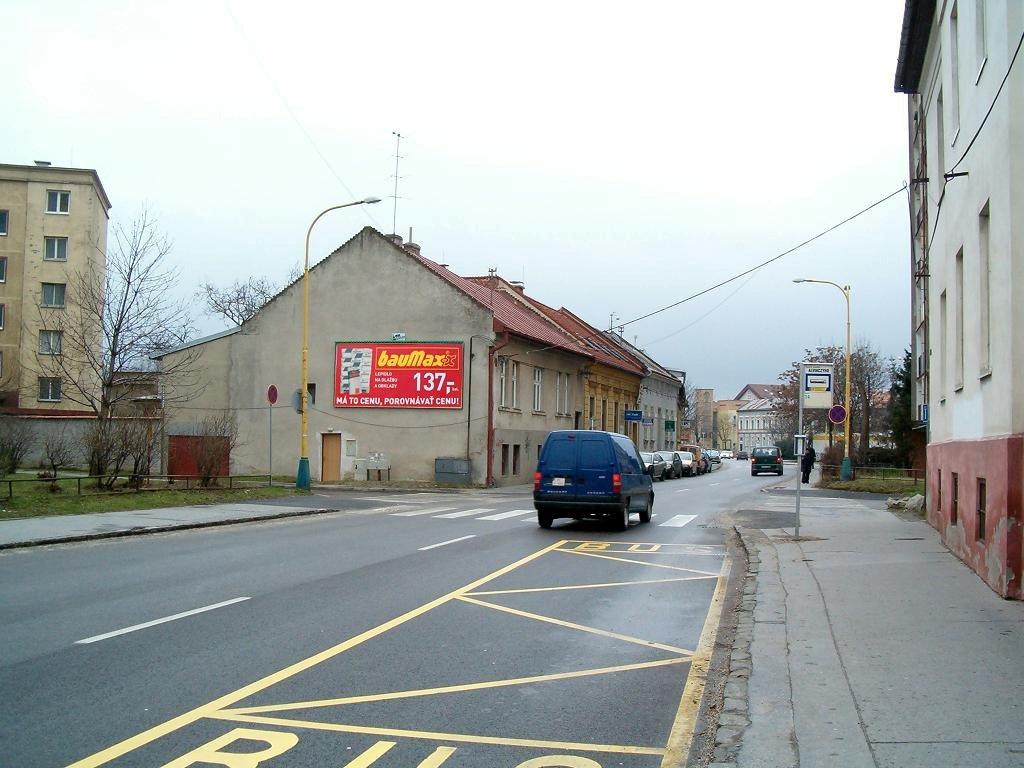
(417,359)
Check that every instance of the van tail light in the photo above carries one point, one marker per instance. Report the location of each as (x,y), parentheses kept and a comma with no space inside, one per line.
(778,459)
(616,483)
(536,481)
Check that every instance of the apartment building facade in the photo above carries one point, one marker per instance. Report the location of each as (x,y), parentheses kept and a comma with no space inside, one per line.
(53,227)
(966,139)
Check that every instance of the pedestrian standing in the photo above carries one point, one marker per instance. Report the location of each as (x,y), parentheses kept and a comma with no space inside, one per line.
(807,463)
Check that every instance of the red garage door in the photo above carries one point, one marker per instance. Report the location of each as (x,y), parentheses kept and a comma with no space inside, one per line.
(184,453)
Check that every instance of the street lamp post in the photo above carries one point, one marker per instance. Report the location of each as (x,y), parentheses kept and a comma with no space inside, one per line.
(846,473)
(302,479)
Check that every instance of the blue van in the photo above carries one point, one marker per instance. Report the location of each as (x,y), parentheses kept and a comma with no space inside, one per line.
(584,473)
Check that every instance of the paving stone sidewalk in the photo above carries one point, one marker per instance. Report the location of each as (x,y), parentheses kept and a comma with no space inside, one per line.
(868,644)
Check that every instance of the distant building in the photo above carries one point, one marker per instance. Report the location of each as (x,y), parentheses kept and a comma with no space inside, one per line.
(409,363)
(965,121)
(756,424)
(725,434)
(53,226)
(661,400)
(704,415)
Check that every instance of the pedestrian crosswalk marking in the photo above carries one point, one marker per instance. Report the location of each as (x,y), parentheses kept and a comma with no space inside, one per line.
(504,515)
(427,511)
(466,513)
(679,521)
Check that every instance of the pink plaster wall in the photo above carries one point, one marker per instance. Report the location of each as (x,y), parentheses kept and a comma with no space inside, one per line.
(1000,462)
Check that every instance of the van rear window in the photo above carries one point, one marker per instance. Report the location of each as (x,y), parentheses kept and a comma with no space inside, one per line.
(594,454)
(560,454)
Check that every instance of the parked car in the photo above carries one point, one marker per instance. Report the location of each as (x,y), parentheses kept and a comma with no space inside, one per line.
(689,463)
(705,461)
(675,463)
(767,459)
(584,473)
(715,456)
(727,454)
(697,452)
(655,464)
(742,456)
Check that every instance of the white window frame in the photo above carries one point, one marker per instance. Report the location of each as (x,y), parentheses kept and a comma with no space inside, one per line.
(515,383)
(50,348)
(49,398)
(538,389)
(53,304)
(3,269)
(56,241)
(3,315)
(63,195)
(502,379)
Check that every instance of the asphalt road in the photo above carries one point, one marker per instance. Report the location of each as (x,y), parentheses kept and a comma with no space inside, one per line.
(404,630)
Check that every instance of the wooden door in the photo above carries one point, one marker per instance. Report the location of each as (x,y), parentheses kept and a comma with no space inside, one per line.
(330,458)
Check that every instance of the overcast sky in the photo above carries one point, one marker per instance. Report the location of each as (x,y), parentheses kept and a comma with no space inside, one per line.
(617,157)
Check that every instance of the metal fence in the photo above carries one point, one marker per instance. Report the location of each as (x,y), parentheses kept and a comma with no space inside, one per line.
(912,476)
(92,485)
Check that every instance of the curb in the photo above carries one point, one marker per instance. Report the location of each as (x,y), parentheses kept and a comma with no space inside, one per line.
(159,529)
(734,717)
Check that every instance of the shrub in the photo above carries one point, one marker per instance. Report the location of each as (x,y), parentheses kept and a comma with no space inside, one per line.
(831,459)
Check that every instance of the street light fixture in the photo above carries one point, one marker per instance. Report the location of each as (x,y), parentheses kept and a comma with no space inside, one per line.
(846,473)
(302,479)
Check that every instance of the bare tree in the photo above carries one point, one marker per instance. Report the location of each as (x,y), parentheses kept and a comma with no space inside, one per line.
(115,320)
(215,438)
(16,440)
(58,452)
(240,301)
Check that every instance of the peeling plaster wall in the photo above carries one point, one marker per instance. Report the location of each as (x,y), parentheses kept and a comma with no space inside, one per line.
(999,461)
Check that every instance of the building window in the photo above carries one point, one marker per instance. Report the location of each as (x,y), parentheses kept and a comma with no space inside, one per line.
(593,414)
(562,394)
(538,389)
(984,291)
(979,529)
(954,512)
(504,459)
(2,370)
(958,322)
(58,201)
(954,60)
(502,371)
(980,44)
(3,314)
(53,294)
(515,459)
(50,342)
(515,383)
(604,415)
(3,269)
(943,355)
(55,249)
(49,389)
(3,222)
(940,135)
(938,491)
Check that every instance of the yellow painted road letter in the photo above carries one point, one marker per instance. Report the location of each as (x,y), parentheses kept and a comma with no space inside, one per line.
(277,743)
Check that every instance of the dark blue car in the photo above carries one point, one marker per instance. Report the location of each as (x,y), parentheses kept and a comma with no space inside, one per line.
(584,473)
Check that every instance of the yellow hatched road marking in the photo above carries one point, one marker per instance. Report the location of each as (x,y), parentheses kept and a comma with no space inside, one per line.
(438,736)
(210,709)
(690,549)
(580,627)
(451,688)
(635,562)
(587,586)
(681,735)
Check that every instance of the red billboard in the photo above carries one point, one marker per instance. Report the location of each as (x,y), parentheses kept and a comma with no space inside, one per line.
(397,375)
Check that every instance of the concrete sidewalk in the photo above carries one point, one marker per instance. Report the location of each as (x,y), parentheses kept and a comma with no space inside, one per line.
(58,529)
(868,644)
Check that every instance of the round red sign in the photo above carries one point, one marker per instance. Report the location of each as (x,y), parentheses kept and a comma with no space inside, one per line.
(271,394)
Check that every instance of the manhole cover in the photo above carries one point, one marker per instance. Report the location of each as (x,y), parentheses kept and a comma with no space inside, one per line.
(762,518)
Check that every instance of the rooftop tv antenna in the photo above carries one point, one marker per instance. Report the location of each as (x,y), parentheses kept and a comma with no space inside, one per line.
(394,209)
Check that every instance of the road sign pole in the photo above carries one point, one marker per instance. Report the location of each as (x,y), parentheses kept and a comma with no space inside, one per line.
(799,459)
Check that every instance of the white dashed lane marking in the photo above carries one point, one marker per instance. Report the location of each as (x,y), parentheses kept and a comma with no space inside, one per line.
(450,541)
(466,513)
(427,511)
(506,515)
(679,521)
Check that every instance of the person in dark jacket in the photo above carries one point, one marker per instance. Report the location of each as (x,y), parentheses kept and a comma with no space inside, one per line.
(807,463)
